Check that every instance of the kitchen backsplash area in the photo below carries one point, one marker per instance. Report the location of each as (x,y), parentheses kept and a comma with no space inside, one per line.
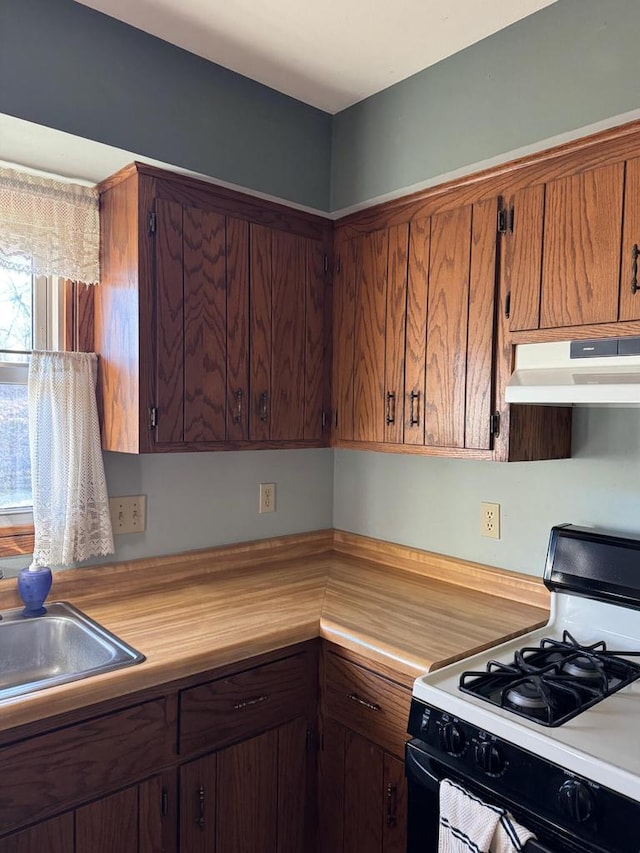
(199,500)
(434,503)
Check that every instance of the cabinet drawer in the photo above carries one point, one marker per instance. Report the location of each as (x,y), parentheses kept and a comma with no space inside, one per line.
(47,773)
(238,706)
(367,703)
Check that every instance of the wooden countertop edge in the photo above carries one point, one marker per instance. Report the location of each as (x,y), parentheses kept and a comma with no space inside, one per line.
(477,576)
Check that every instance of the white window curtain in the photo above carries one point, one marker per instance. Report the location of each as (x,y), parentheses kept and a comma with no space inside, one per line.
(70,502)
(49,227)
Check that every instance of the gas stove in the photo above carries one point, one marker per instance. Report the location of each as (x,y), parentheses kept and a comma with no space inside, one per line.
(547,723)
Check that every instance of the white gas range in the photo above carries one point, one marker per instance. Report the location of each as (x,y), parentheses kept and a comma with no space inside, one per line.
(546,724)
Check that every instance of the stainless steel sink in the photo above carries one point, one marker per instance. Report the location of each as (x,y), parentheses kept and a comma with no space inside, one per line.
(62,645)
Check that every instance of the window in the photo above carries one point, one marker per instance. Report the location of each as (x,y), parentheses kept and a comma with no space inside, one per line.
(29,312)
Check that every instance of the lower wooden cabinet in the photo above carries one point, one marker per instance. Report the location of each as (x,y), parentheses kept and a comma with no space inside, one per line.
(224,763)
(363,793)
(253,797)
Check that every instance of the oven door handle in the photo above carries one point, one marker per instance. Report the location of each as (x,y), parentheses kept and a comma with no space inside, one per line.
(417,772)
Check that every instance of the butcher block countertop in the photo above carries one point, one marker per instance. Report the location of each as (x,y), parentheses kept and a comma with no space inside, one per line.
(408,610)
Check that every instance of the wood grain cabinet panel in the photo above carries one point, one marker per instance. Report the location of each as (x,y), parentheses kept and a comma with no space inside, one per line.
(416,330)
(344,308)
(366,702)
(252,797)
(83,760)
(109,825)
(523,258)
(371,257)
(395,325)
(630,263)
(581,254)
(50,836)
(227,709)
(363,795)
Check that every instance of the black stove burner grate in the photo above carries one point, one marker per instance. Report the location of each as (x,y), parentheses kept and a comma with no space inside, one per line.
(555,681)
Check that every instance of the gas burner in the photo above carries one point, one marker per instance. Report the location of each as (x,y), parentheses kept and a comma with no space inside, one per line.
(526,695)
(582,666)
(554,681)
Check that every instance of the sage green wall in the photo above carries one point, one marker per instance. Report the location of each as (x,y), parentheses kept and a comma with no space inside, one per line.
(69,67)
(199,500)
(572,64)
(434,503)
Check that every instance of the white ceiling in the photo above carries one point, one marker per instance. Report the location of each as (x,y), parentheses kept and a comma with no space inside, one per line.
(329,54)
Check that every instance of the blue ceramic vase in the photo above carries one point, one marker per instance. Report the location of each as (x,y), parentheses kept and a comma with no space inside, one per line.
(33,588)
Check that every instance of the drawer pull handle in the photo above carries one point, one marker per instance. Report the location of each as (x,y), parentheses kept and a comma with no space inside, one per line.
(247,703)
(392,805)
(200,818)
(370,705)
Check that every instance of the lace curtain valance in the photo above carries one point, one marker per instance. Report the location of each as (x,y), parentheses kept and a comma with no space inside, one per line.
(48,227)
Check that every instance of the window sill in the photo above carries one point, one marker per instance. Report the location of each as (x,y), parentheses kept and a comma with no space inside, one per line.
(16,539)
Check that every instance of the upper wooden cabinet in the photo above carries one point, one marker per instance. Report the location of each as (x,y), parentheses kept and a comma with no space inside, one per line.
(570,250)
(414,330)
(211,319)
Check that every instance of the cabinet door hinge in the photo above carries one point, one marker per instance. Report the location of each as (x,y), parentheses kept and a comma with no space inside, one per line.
(153,417)
(505,220)
(152,222)
(494,424)
(164,806)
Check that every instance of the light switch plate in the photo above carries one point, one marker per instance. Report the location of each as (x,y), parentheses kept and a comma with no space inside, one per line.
(128,513)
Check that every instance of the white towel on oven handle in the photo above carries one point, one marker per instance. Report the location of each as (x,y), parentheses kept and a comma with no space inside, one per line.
(469,825)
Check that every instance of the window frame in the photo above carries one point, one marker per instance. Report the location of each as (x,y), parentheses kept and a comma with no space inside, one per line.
(56,326)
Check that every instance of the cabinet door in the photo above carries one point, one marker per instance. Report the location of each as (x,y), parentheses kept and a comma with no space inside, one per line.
(202,325)
(523,258)
(395,323)
(129,821)
(369,344)
(362,795)
(462,281)
(53,836)
(344,306)
(581,248)
(109,825)
(630,263)
(254,796)
(288,353)
(416,325)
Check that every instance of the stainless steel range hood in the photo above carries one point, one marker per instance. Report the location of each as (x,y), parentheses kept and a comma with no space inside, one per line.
(577,373)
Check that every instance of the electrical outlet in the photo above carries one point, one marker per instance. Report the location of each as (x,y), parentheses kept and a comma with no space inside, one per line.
(267,497)
(490,520)
(128,513)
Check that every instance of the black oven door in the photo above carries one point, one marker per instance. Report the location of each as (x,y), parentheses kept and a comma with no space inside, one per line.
(424,774)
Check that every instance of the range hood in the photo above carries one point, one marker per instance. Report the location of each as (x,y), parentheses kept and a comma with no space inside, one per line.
(577,373)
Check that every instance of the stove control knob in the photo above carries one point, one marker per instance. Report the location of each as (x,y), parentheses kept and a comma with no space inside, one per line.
(452,739)
(576,800)
(489,758)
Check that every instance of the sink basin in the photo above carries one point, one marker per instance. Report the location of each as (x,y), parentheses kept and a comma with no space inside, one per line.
(62,645)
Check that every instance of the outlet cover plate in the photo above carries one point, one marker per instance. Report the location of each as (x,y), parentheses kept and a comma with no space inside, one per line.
(267,498)
(490,520)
